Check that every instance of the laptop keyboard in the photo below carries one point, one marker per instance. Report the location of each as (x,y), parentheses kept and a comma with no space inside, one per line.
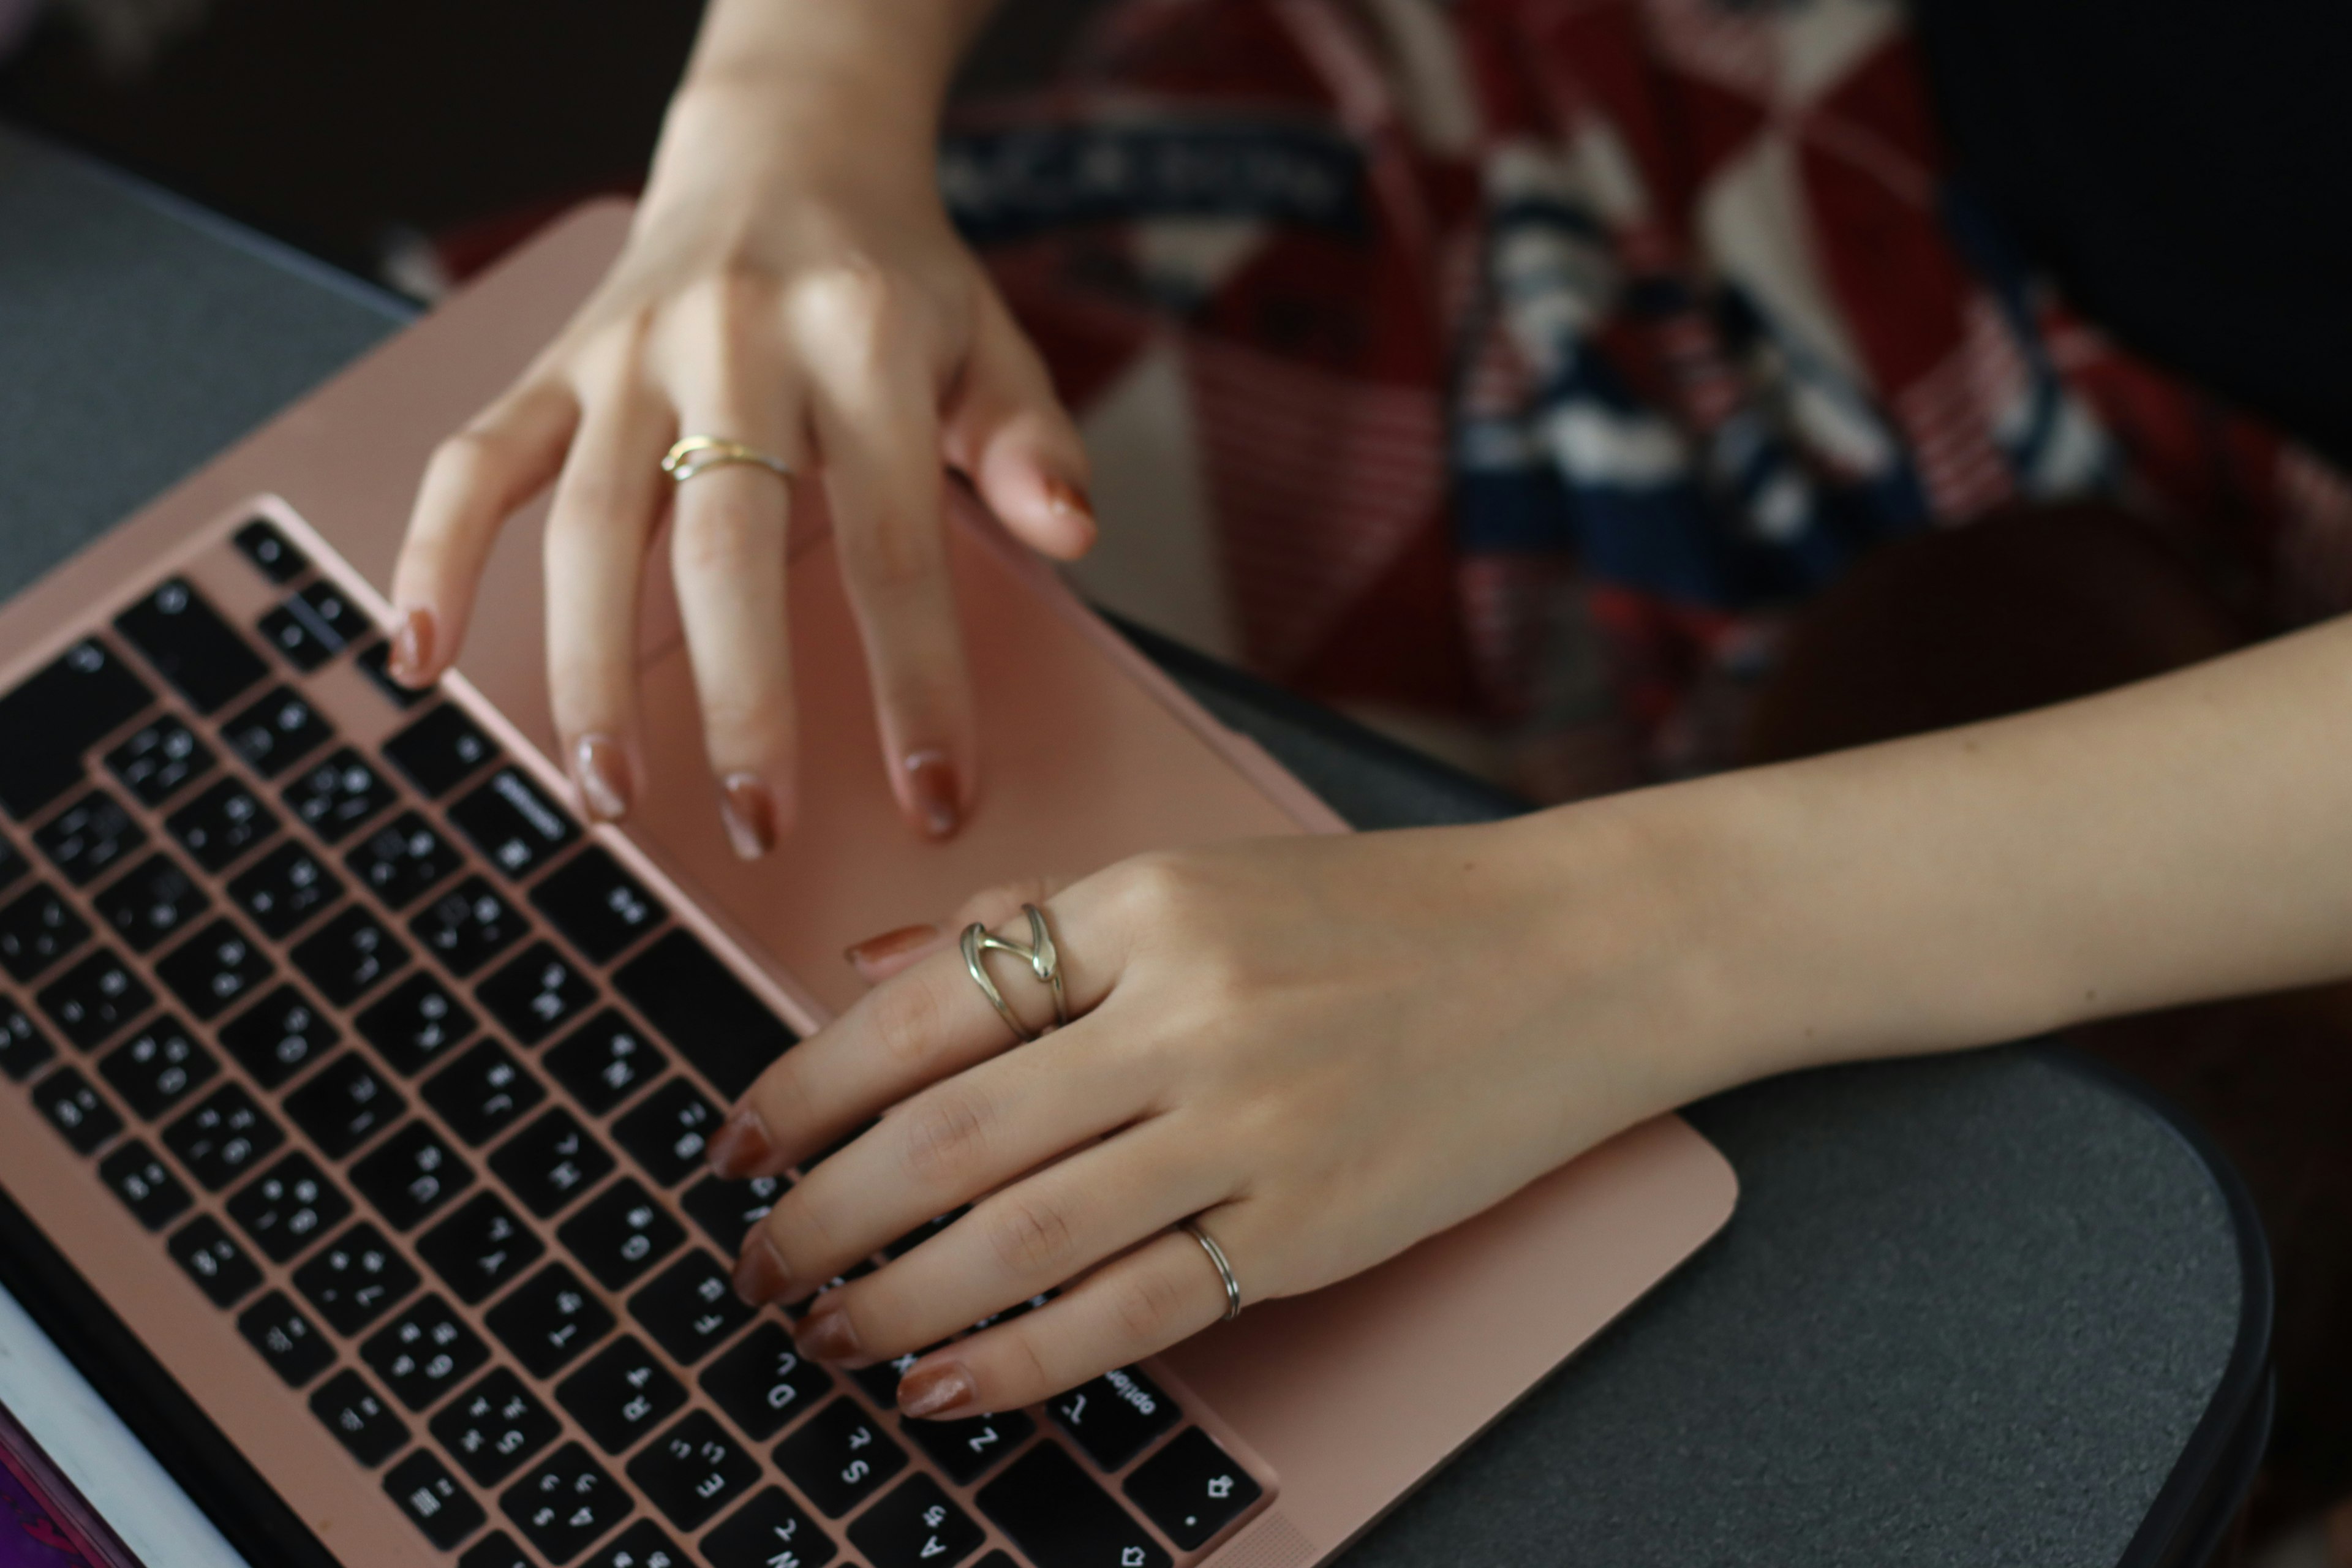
(413,1077)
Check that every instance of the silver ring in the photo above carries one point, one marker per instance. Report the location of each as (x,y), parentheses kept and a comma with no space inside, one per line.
(1224,1270)
(700,454)
(1044,959)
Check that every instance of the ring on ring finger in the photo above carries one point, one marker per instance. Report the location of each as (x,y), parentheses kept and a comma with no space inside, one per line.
(1044,961)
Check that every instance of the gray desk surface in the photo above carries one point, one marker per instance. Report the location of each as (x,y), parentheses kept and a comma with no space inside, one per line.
(1969,1311)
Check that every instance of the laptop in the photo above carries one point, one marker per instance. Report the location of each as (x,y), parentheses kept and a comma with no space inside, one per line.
(353,1089)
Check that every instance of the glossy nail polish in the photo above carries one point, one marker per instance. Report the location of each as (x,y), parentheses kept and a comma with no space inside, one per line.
(891,944)
(600,767)
(932,780)
(760,1273)
(1063,498)
(828,1334)
(935,1390)
(749,812)
(412,648)
(740,1145)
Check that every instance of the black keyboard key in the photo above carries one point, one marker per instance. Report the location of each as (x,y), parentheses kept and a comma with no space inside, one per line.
(969,1448)
(214,1261)
(334,797)
(375,660)
(642,1545)
(154,900)
(313,626)
(288,1206)
(622,1232)
(597,905)
(402,859)
(1114,1417)
(37,929)
(355,1279)
(158,759)
(728,1210)
(768,1532)
(668,1130)
(620,1394)
(916,1527)
(424,1352)
(284,887)
(604,1061)
(154,1197)
(483,1092)
(537,993)
(345,957)
(1191,1490)
(222,824)
(223,1138)
(481,1246)
(278,1036)
(512,821)
(24,1049)
(277,731)
(94,999)
(415,1023)
(698,1004)
(214,968)
(494,1427)
(190,645)
(13,864)
(497,1550)
(360,1418)
(345,1104)
(1060,1518)
(467,926)
(690,1308)
(410,1174)
(440,751)
(548,1320)
(763,1384)
(693,1470)
(90,837)
(158,1067)
(565,1504)
(552,1162)
(286,1339)
(839,1457)
(56,716)
(434,1499)
(260,542)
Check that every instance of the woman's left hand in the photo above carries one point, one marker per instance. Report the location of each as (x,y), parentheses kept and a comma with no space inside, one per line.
(1319,1049)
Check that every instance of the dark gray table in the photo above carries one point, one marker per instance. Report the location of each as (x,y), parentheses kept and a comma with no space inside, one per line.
(1990,1310)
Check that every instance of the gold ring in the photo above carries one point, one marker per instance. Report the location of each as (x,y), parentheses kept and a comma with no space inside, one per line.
(1044,962)
(700,454)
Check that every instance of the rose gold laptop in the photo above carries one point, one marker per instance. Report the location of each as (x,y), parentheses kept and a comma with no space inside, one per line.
(366,1089)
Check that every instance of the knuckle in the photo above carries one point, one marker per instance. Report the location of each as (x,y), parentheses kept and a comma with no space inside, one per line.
(1148,1306)
(1031,1234)
(851,294)
(945,1134)
(1158,888)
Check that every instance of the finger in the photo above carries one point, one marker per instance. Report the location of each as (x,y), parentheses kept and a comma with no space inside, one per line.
(941,1150)
(877,958)
(729,549)
(1136,1305)
(1007,430)
(876,420)
(474,480)
(606,507)
(929,1023)
(1030,1238)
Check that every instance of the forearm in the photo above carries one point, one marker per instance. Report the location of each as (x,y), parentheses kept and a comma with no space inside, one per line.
(2184,839)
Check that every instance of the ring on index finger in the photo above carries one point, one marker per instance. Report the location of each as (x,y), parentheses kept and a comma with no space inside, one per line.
(1044,959)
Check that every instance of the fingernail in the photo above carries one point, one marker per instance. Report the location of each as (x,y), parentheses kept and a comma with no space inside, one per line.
(935,1390)
(891,944)
(412,648)
(1063,498)
(932,780)
(601,768)
(828,1334)
(740,1145)
(760,1273)
(750,813)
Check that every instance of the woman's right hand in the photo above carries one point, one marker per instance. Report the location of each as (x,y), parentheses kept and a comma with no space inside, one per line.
(791,282)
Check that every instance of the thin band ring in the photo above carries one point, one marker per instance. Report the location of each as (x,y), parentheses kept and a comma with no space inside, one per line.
(700,454)
(1224,1270)
(1044,959)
